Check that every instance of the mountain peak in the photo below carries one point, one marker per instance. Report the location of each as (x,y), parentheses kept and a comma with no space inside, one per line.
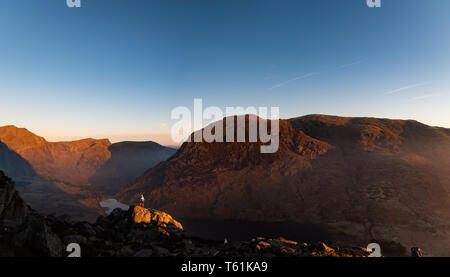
(21,138)
(70,162)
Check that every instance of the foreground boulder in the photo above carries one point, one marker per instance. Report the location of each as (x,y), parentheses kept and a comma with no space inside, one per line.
(142,215)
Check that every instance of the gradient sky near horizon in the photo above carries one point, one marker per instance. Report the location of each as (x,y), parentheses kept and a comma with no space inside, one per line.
(115,69)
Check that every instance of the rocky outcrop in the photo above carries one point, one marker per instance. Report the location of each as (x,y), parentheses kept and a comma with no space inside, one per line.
(13,210)
(134,233)
(22,228)
(37,235)
(150,216)
(138,232)
(283,247)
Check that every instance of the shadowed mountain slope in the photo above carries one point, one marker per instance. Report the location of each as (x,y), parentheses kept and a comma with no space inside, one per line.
(129,160)
(13,164)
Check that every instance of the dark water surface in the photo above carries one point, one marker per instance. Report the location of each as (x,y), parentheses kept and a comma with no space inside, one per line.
(246,230)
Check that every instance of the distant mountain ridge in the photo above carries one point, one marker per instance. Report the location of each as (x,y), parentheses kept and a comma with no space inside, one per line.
(82,162)
(365,179)
(70,162)
(75,175)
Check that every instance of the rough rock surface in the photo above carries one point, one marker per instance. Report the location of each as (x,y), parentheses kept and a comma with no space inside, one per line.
(13,210)
(142,215)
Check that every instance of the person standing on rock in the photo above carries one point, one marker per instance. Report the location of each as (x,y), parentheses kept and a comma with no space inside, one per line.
(141,201)
(416,252)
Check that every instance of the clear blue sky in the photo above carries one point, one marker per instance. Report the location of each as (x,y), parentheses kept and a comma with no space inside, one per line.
(117,68)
